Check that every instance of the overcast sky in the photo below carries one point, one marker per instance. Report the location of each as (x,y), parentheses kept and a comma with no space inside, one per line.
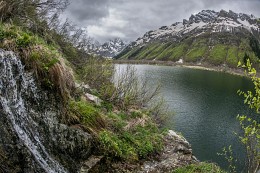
(130,19)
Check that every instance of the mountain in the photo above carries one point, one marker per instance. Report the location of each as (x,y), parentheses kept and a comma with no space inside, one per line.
(107,49)
(207,37)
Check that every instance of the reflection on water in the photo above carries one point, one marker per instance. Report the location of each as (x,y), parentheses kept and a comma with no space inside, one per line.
(205,105)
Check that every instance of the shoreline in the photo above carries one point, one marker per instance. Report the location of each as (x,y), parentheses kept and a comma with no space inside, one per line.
(204,66)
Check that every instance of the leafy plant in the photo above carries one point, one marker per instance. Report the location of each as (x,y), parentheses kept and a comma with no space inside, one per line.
(24,40)
(228,154)
(250,125)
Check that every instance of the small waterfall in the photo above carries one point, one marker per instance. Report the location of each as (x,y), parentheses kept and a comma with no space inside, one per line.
(15,85)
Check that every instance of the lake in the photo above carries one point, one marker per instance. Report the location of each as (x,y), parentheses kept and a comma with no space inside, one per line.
(203,107)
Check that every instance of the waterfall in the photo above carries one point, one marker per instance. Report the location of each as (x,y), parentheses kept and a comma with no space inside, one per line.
(15,85)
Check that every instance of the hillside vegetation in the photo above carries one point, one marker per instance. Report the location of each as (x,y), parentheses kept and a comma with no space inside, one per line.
(215,49)
(207,38)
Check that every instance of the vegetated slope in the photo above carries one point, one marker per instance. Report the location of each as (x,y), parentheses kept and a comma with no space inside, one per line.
(207,37)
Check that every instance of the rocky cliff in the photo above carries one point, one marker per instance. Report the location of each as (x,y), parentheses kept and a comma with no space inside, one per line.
(33,138)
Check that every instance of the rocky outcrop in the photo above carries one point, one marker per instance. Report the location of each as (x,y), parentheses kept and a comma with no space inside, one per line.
(177,152)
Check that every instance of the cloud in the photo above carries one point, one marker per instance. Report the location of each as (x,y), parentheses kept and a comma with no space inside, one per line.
(130,19)
(87,12)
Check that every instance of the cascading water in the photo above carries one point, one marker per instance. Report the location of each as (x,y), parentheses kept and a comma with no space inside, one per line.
(15,85)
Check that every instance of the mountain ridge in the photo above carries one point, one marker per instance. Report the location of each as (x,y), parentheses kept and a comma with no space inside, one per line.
(202,38)
(108,49)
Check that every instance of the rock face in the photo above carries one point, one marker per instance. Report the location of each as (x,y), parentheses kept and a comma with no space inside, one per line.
(200,39)
(32,137)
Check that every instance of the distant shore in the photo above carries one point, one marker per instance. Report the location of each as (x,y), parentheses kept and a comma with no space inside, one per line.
(203,66)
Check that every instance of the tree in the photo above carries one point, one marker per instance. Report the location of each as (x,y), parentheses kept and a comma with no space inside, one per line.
(250,125)
(31,13)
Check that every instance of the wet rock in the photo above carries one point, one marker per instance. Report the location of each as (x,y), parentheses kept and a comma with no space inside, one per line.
(32,136)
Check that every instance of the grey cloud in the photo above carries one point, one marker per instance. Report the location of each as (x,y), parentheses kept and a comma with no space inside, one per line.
(130,19)
(87,11)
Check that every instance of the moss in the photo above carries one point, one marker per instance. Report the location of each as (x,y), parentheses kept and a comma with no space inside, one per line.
(195,54)
(218,54)
(199,168)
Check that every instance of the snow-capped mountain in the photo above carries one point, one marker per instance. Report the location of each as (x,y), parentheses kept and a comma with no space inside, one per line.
(218,38)
(108,49)
(204,21)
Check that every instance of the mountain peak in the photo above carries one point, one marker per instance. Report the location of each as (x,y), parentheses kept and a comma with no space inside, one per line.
(109,48)
(217,38)
(206,21)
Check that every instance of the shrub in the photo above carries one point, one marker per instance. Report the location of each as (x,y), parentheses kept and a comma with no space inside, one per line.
(250,125)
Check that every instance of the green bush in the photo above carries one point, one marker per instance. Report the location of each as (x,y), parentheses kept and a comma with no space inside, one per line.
(250,124)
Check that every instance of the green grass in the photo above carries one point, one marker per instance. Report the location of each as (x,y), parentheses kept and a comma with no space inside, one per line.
(199,168)
(166,53)
(218,54)
(42,58)
(232,58)
(157,51)
(178,52)
(88,115)
(134,143)
(195,54)
(147,51)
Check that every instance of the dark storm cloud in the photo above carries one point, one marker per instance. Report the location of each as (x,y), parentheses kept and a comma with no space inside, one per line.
(129,19)
(87,11)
